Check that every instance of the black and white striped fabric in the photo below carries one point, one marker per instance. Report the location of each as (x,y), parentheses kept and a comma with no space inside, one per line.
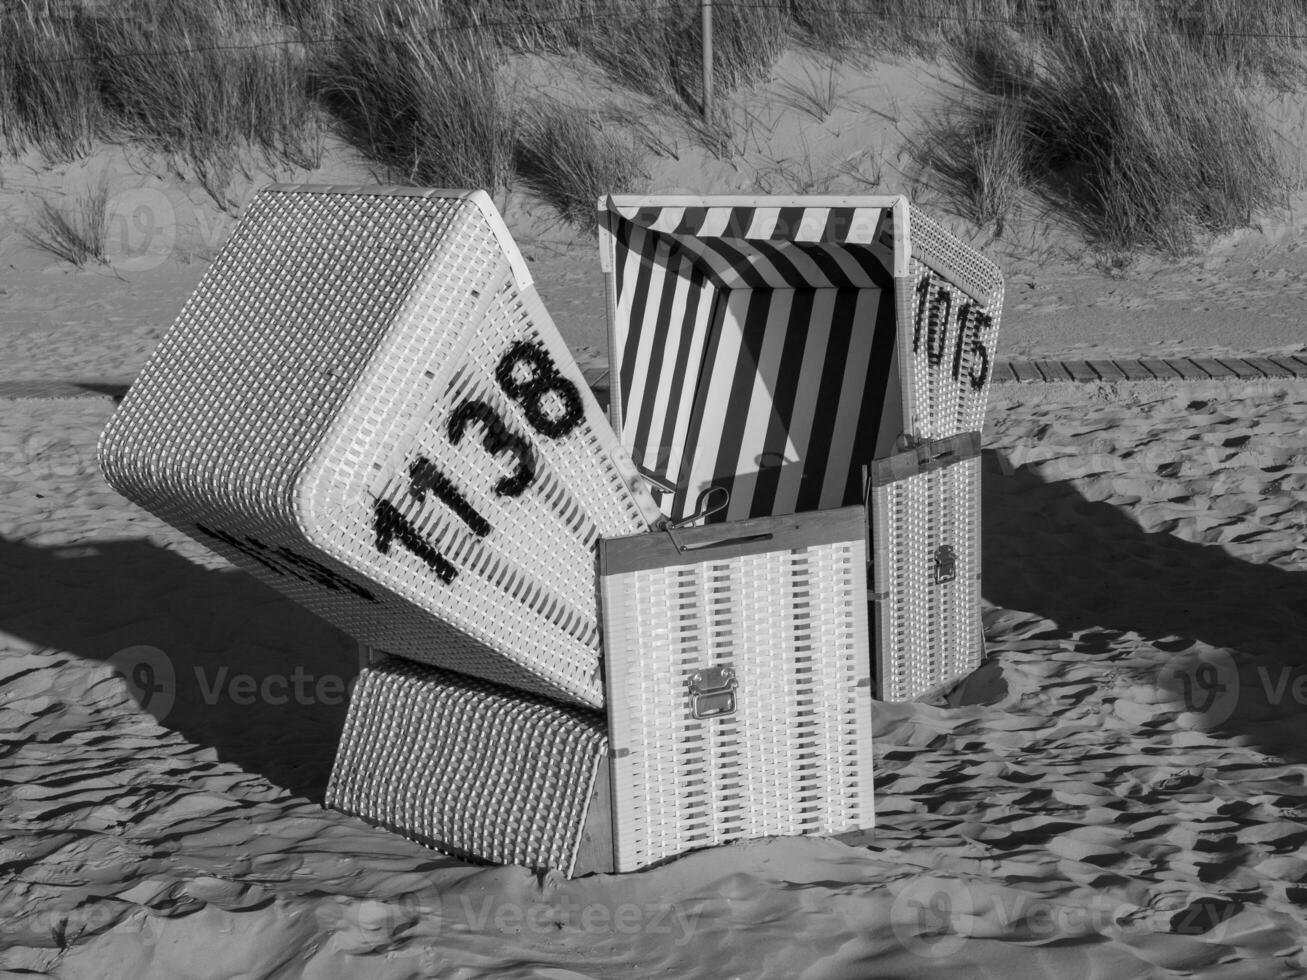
(754,349)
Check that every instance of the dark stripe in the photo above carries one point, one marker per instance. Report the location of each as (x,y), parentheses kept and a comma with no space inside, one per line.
(622,231)
(738,223)
(647,216)
(692,221)
(681,368)
(784,395)
(838,223)
(829,265)
(739,262)
(871,265)
(885,226)
(648,243)
(828,401)
(776,256)
(681,503)
(654,372)
(873,396)
(727,452)
(787,223)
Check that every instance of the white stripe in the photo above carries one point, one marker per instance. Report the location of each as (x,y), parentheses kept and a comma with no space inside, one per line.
(812,225)
(714,223)
(857,365)
(720,374)
(763,223)
(668,219)
(762,406)
(805,403)
(865,223)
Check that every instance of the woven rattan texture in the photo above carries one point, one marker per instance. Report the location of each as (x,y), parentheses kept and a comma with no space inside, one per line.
(929,630)
(473,769)
(795,757)
(320,360)
(956,297)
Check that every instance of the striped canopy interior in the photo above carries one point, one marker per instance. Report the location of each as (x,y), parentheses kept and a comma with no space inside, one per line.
(755,350)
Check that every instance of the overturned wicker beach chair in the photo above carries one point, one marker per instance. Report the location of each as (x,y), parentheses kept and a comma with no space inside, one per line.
(772,356)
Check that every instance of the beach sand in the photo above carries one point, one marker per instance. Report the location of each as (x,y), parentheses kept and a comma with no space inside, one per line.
(1118,792)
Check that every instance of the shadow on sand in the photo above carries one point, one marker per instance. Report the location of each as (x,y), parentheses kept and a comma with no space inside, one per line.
(256,677)
(1088,565)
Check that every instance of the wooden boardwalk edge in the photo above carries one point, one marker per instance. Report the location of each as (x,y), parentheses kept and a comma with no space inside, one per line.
(1006,371)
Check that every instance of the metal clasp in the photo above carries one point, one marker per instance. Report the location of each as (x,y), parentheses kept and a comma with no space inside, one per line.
(702,509)
(946,564)
(712,692)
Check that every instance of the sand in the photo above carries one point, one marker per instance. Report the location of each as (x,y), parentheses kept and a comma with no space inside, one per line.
(1117,793)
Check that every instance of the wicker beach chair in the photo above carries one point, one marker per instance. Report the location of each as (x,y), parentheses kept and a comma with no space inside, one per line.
(739,706)
(366,405)
(772,356)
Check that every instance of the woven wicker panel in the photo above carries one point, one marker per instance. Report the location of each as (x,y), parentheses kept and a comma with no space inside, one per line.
(953,297)
(297,420)
(784,607)
(470,768)
(928,630)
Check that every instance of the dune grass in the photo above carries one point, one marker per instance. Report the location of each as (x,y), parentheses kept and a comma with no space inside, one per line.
(569,158)
(76,234)
(426,104)
(1129,114)
(1142,138)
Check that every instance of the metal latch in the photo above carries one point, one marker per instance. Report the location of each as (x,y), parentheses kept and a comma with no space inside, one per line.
(712,692)
(946,564)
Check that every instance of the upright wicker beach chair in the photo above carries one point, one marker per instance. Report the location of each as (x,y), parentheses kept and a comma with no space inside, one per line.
(772,356)
(366,405)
